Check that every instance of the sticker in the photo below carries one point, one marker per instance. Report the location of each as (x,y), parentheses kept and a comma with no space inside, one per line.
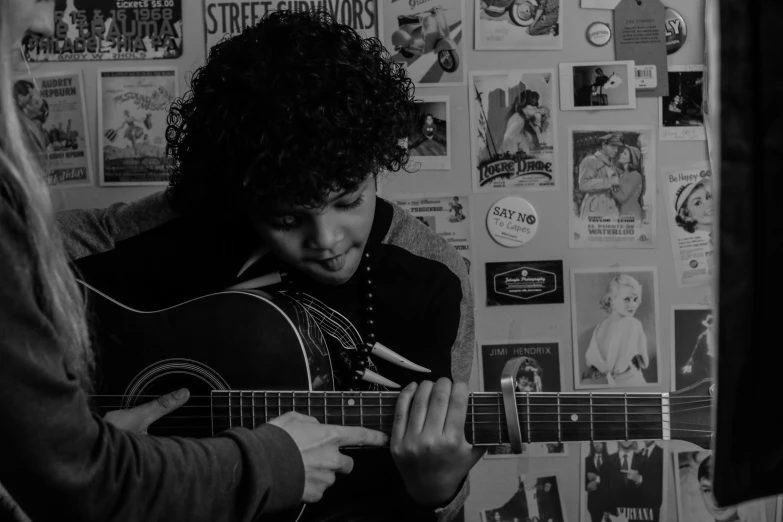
(676,31)
(524,282)
(646,77)
(599,34)
(512,221)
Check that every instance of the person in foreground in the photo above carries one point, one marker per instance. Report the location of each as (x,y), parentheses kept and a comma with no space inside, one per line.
(276,151)
(60,461)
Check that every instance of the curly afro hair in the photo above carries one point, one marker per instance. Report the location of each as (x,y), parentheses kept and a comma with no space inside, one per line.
(289,110)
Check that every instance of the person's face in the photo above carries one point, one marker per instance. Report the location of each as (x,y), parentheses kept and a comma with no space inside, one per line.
(547,487)
(525,385)
(429,120)
(497,515)
(610,149)
(626,301)
(36,16)
(699,204)
(598,447)
(624,157)
(649,443)
(34,105)
(627,445)
(599,72)
(718,513)
(324,243)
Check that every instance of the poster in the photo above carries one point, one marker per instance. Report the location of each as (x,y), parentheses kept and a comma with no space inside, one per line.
(524,282)
(430,146)
(623,479)
(540,371)
(612,187)
(133,104)
(518,26)
(53,114)
(691,215)
(513,129)
(615,327)
(597,86)
(535,498)
(428,38)
(693,345)
(89,30)
(446,215)
(231,17)
(681,114)
(695,501)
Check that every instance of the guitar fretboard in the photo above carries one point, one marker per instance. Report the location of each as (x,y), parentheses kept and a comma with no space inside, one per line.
(542,417)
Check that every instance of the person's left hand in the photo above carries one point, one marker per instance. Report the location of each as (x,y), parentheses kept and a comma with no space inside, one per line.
(428,440)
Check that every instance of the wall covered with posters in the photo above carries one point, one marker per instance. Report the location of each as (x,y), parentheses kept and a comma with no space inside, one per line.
(546,160)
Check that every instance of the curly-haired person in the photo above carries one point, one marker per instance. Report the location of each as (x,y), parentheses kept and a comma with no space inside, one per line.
(276,151)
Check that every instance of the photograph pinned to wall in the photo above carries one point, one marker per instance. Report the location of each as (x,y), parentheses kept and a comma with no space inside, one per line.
(537,497)
(695,500)
(693,345)
(428,38)
(52,111)
(615,327)
(597,86)
(540,371)
(612,187)
(524,283)
(430,145)
(623,480)
(231,17)
(110,30)
(513,129)
(518,25)
(681,115)
(448,216)
(691,215)
(133,104)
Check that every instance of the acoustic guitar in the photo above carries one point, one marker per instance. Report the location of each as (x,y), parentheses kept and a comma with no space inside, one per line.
(248,357)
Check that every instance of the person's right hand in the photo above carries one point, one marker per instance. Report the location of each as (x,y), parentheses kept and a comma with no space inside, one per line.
(320,446)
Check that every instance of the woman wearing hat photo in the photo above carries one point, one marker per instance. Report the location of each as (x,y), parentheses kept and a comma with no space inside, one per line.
(629,193)
(598,176)
(693,207)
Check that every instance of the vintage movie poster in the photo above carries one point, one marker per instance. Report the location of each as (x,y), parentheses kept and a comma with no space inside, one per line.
(623,480)
(428,38)
(231,17)
(681,114)
(535,498)
(513,130)
(524,282)
(518,25)
(597,86)
(53,114)
(430,146)
(694,345)
(447,215)
(690,214)
(612,187)
(615,327)
(90,30)
(695,501)
(133,104)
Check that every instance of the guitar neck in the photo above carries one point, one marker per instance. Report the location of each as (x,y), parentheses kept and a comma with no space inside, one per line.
(542,417)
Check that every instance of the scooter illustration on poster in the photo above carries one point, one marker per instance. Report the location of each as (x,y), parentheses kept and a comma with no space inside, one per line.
(425,32)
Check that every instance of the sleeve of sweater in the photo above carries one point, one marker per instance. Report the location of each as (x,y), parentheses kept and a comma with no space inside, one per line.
(61,462)
(92,231)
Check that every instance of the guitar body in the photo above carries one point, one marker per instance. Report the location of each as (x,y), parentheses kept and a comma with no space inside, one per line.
(235,340)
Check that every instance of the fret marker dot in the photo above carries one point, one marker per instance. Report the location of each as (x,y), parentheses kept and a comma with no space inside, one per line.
(574,417)
(351,402)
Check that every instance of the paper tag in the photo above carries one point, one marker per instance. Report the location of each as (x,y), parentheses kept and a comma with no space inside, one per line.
(640,35)
(646,77)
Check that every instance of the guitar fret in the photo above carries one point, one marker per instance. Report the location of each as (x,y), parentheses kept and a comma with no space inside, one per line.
(253,405)
(361,408)
(625,396)
(500,417)
(559,435)
(230,412)
(309,414)
(342,410)
(279,403)
(212,412)
(473,415)
(592,430)
(266,407)
(241,411)
(527,398)
(326,421)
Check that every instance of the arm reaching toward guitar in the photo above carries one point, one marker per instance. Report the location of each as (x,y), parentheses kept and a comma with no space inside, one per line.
(139,419)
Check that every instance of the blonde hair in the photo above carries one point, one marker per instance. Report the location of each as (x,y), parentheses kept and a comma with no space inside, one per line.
(24,192)
(614,286)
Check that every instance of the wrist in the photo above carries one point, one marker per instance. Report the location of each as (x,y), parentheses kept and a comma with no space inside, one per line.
(433,497)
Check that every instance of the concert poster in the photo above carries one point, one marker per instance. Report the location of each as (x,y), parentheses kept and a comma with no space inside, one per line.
(448,216)
(52,111)
(615,327)
(230,17)
(110,30)
(133,104)
(531,497)
(681,114)
(691,211)
(430,144)
(612,187)
(623,481)
(695,501)
(518,26)
(513,129)
(524,283)
(693,344)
